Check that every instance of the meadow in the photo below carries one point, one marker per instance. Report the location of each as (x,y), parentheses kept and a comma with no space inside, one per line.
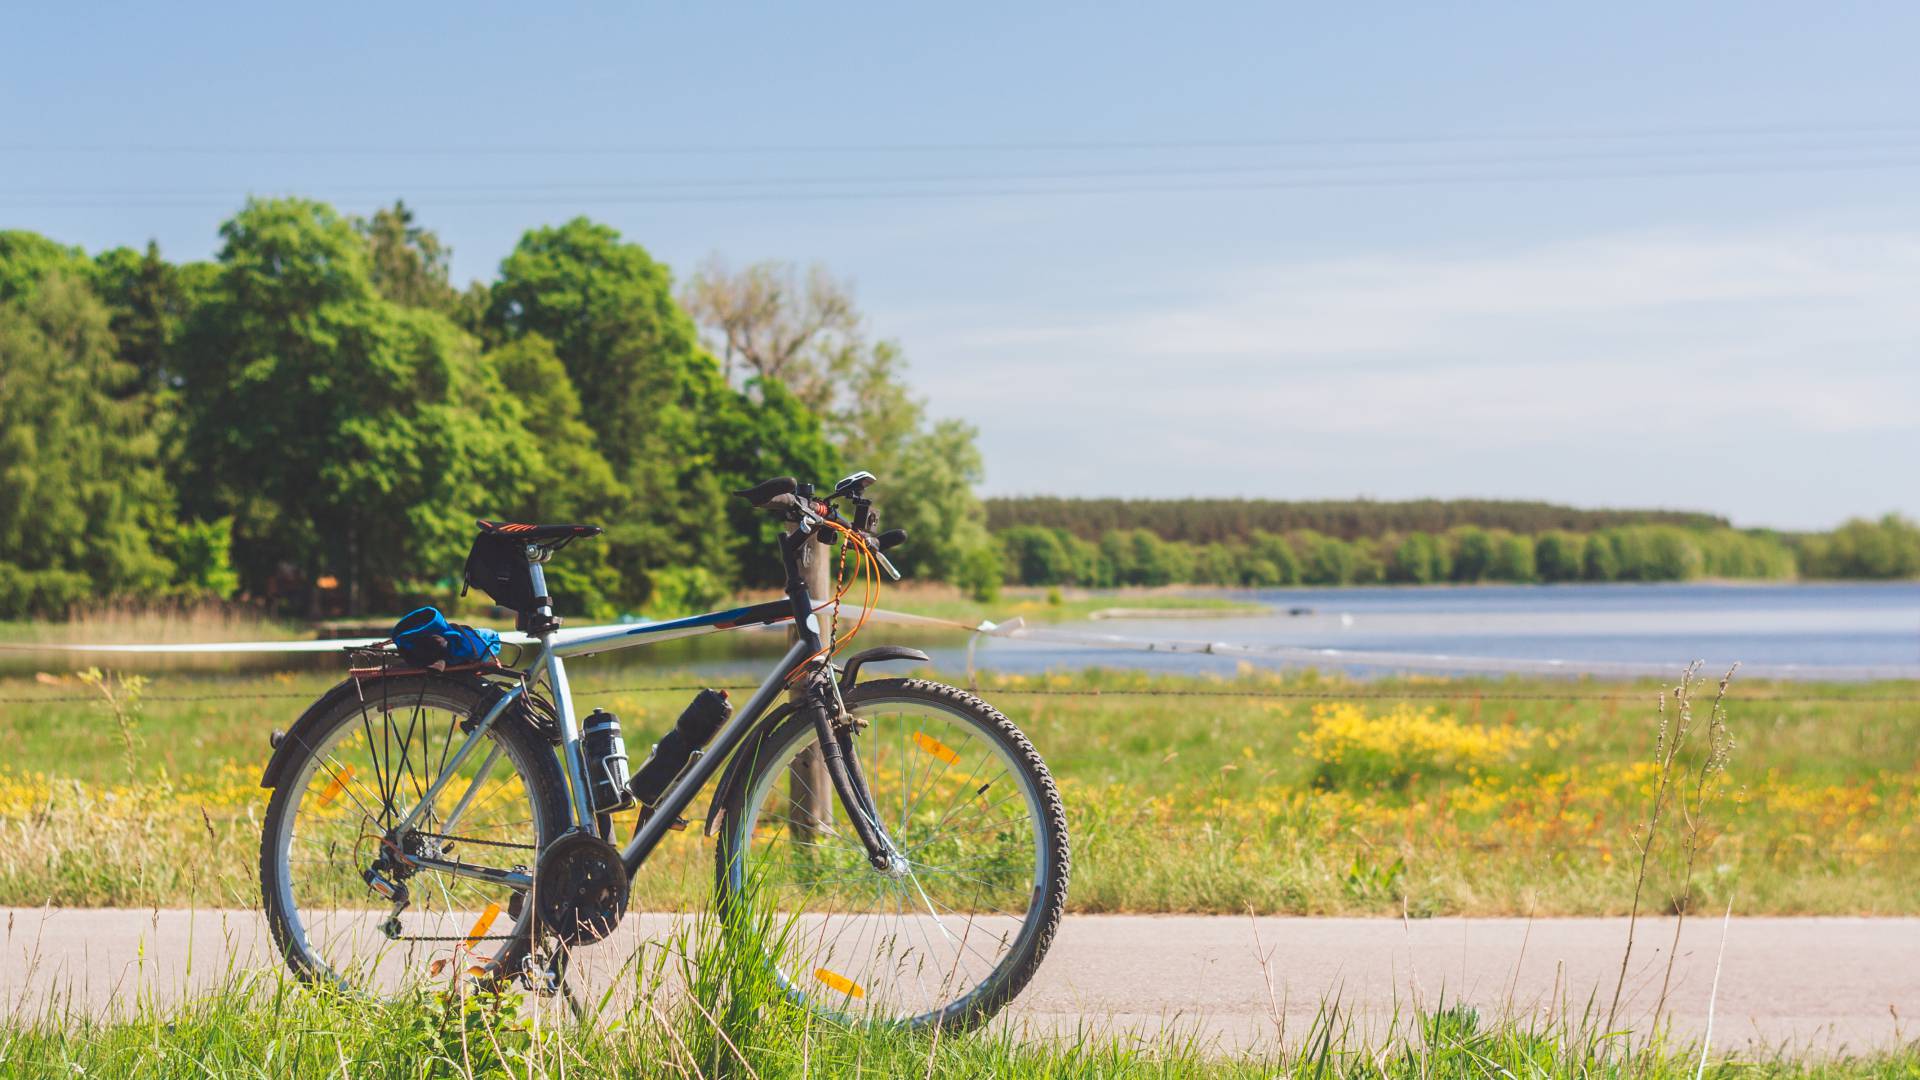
(1298,793)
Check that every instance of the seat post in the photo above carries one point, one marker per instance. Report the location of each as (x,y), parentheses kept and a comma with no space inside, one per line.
(541,620)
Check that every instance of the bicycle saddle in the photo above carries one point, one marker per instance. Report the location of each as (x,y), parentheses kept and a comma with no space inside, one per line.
(539,532)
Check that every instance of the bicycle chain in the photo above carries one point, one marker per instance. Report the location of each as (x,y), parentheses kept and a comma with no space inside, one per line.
(471,840)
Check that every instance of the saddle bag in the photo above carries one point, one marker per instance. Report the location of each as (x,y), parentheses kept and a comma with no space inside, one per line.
(498,566)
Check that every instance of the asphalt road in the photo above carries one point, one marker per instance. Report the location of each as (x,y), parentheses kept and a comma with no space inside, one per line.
(1803,983)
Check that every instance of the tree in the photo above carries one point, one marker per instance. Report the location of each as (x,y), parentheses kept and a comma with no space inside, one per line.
(1557,556)
(609,311)
(346,435)
(1513,558)
(752,436)
(771,321)
(773,324)
(926,486)
(1598,558)
(564,476)
(27,259)
(1888,548)
(1035,556)
(1328,561)
(408,264)
(1277,553)
(1472,553)
(80,485)
(1671,554)
(1416,560)
(148,299)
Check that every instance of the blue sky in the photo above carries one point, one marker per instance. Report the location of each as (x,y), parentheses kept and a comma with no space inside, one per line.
(1621,255)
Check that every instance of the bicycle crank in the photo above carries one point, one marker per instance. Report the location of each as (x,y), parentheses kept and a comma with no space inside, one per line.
(580,888)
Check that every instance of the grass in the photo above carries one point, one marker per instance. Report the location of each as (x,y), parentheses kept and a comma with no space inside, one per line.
(288,1033)
(1279,794)
(694,1004)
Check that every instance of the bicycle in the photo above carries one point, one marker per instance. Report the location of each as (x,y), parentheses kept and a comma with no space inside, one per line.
(397,846)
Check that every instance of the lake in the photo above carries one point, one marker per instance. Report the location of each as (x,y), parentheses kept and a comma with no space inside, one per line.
(1596,628)
(1839,631)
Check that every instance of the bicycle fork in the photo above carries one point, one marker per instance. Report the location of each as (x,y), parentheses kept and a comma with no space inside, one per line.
(835,726)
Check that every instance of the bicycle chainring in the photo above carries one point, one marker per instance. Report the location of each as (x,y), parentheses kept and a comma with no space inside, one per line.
(580,888)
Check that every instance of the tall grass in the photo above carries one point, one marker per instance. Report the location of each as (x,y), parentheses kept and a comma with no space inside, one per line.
(1323,799)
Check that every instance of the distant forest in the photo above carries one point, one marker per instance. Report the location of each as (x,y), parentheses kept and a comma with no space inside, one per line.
(1105,542)
(1208,521)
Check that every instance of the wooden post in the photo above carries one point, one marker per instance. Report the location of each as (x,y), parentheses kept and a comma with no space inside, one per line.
(809,788)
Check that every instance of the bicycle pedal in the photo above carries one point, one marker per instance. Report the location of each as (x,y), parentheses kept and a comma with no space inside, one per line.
(679,825)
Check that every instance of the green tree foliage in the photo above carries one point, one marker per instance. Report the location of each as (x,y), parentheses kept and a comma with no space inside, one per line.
(408,263)
(1270,560)
(1206,520)
(1036,556)
(1512,559)
(1326,560)
(80,486)
(149,300)
(1559,556)
(765,431)
(926,487)
(319,401)
(346,435)
(608,309)
(1418,559)
(1472,553)
(563,476)
(1602,564)
(1888,548)
(27,259)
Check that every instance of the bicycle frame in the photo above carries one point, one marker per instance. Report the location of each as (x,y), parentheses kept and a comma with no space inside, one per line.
(550,659)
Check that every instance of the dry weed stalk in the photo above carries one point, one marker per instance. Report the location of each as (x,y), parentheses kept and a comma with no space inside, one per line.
(121,693)
(1684,785)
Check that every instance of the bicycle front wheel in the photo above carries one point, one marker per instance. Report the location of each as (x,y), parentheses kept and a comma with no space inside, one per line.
(952,935)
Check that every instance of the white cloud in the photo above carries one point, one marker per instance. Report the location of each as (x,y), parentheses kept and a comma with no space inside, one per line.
(1789,335)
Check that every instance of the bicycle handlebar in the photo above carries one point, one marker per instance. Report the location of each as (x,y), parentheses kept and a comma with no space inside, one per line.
(780,496)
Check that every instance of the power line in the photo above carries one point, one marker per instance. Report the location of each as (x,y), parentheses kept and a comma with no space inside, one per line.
(675,183)
(888,194)
(984,146)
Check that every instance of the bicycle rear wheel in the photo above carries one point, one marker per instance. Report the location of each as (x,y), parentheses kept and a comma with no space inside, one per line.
(331,822)
(950,937)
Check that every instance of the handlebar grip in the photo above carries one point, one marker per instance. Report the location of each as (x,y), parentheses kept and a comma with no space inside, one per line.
(764,492)
(787,503)
(890,538)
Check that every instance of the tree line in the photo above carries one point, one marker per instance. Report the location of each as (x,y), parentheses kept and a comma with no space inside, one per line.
(1033,554)
(1206,521)
(314,418)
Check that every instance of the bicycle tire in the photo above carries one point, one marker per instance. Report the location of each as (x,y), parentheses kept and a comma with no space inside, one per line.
(1053,866)
(527,752)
